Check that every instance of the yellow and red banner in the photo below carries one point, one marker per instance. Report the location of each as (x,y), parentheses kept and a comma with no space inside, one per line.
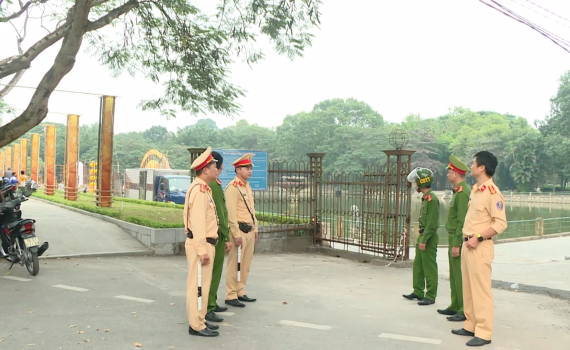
(16,166)
(105,161)
(8,157)
(49,159)
(71,156)
(35,156)
(24,155)
(2,161)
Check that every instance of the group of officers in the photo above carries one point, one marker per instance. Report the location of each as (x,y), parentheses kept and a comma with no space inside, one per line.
(218,221)
(476,215)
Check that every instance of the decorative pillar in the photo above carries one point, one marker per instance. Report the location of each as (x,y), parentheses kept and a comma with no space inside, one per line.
(35,157)
(71,156)
(49,160)
(105,151)
(24,155)
(16,166)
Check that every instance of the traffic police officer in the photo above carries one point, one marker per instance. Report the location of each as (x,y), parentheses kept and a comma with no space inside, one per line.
(201,226)
(485,218)
(243,230)
(223,245)
(425,264)
(456,171)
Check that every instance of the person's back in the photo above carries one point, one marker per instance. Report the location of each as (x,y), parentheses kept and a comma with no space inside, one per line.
(8,174)
(13,180)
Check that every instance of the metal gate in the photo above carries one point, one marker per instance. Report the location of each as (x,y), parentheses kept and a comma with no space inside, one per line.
(367,211)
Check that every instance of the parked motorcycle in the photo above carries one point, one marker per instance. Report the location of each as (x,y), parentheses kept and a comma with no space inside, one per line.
(19,243)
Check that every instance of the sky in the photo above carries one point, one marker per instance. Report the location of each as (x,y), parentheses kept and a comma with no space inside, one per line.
(400,57)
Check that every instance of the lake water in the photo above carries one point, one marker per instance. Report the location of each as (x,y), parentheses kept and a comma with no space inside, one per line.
(520,215)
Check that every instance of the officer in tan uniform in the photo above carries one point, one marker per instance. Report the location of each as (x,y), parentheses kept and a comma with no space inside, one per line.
(485,218)
(201,226)
(243,231)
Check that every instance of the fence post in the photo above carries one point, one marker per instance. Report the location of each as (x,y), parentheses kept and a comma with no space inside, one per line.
(316,160)
(539,227)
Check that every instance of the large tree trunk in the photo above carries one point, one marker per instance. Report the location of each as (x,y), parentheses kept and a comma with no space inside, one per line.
(64,62)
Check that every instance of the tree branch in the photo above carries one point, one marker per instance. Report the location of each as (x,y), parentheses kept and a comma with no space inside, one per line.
(6,90)
(24,61)
(64,62)
(22,10)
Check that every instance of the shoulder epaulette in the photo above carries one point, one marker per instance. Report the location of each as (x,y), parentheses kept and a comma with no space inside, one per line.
(429,198)
(219,182)
(204,188)
(492,189)
(460,189)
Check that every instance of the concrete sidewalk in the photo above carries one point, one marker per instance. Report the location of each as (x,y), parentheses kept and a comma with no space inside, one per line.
(71,233)
(538,263)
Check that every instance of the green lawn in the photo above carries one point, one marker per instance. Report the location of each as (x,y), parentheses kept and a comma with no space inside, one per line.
(151,214)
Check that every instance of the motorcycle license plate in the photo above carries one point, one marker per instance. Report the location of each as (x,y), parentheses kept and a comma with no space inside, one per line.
(32,242)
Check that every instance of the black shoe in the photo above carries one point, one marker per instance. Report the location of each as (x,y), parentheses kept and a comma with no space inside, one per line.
(411,296)
(220,308)
(212,317)
(206,332)
(457,317)
(447,312)
(212,326)
(426,301)
(462,331)
(478,342)
(246,299)
(235,302)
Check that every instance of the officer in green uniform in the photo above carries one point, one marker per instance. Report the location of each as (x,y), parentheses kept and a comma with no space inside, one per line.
(425,264)
(456,171)
(223,242)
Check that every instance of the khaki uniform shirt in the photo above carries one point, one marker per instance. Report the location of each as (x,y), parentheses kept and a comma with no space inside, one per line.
(486,209)
(237,194)
(200,214)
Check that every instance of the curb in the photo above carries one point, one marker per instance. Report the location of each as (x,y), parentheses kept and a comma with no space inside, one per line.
(96,255)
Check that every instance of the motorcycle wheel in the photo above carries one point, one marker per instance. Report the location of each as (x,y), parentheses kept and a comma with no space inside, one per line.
(30,259)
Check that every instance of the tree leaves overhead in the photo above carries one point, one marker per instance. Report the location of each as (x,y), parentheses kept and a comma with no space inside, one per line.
(172,42)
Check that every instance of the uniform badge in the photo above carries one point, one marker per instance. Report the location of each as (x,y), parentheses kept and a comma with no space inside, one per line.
(460,189)
(492,190)
(455,189)
(483,188)
(219,182)
(429,198)
(500,205)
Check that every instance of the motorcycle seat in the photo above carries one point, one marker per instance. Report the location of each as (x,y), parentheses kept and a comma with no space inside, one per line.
(13,224)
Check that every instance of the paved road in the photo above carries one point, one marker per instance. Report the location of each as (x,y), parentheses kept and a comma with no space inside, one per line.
(69,232)
(305,301)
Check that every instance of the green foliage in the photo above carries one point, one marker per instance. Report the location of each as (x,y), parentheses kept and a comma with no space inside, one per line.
(175,43)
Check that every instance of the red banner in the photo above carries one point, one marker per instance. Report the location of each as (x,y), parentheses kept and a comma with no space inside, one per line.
(35,156)
(16,166)
(71,156)
(105,161)
(49,159)
(24,155)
